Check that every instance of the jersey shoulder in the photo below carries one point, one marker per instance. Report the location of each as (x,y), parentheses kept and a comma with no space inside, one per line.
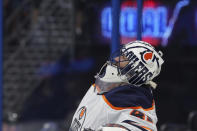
(130,97)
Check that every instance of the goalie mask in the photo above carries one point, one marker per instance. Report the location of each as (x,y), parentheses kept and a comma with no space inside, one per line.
(137,63)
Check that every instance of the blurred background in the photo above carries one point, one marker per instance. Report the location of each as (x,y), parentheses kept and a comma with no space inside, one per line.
(53,48)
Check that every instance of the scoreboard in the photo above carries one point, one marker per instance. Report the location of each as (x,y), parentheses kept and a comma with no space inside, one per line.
(154,22)
(158,22)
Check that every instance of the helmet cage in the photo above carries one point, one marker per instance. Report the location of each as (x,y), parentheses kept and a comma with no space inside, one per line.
(135,71)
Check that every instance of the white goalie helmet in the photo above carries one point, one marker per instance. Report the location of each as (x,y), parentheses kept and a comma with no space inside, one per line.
(143,64)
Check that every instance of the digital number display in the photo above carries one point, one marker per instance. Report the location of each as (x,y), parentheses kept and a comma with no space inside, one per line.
(154,22)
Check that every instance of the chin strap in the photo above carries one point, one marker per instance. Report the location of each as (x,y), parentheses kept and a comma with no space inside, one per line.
(152,84)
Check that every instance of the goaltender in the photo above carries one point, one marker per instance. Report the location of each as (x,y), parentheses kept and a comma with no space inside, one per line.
(121,98)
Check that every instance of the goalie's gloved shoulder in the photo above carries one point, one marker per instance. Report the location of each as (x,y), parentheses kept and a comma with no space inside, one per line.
(130,97)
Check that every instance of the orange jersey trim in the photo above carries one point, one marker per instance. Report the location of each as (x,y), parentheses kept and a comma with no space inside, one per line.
(121,108)
(146,128)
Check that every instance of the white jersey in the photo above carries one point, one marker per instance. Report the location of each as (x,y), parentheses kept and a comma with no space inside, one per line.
(114,109)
